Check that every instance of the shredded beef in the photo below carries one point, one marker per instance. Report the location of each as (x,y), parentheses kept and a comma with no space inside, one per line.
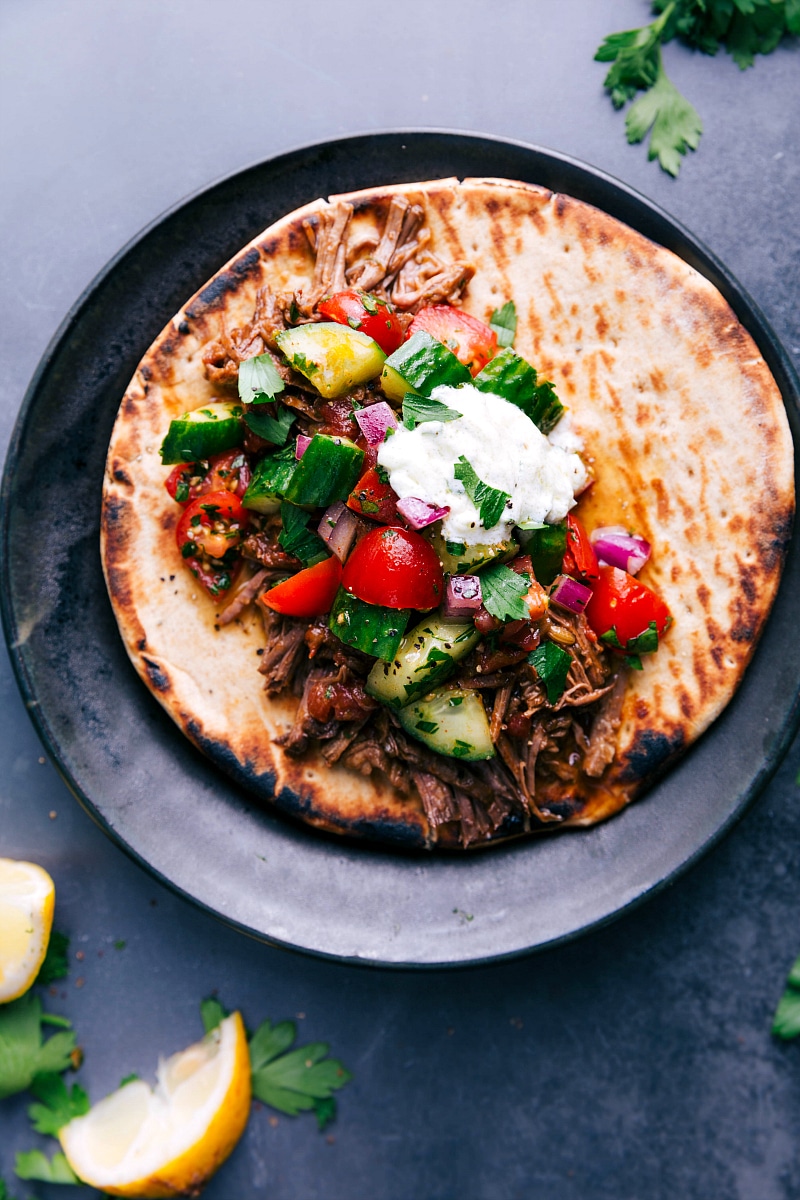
(245,595)
(603,737)
(282,653)
(264,549)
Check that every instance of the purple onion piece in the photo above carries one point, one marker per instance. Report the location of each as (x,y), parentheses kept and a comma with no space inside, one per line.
(462,597)
(338,529)
(418,513)
(301,445)
(570,594)
(374,421)
(614,546)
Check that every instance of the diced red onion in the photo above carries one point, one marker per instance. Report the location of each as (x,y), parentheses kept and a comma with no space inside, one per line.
(301,445)
(338,529)
(570,594)
(462,597)
(618,548)
(419,513)
(375,420)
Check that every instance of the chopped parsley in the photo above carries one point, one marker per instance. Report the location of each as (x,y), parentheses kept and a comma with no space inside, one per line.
(297,539)
(786,1022)
(504,323)
(272,429)
(427,726)
(55,965)
(418,409)
(259,380)
(57,1106)
(551,664)
(490,502)
(504,593)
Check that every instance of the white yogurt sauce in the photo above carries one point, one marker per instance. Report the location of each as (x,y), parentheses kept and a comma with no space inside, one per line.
(506,451)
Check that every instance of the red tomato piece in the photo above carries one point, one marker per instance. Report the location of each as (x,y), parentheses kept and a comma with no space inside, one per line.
(226,472)
(473,343)
(580,560)
(395,568)
(367,313)
(309,593)
(208,535)
(373,498)
(621,602)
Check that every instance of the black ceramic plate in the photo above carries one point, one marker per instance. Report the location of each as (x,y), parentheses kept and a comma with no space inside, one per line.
(166,804)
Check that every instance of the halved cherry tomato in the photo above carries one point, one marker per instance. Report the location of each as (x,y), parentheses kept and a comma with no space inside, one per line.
(395,568)
(621,602)
(208,537)
(226,472)
(373,497)
(309,593)
(580,560)
(473,343)
(371,315)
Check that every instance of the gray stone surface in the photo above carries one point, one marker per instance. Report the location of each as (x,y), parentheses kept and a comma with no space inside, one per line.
(635,1062)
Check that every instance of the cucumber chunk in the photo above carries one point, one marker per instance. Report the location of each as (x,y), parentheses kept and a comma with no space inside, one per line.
(512,377)
(203,432)
(328,471)
(269,482)
(426,657)
(335,358)
(419,365)
(451,721)
(458,559)
(546,548)
(367,627)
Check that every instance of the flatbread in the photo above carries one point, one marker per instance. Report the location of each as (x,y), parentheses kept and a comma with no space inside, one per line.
(683,424)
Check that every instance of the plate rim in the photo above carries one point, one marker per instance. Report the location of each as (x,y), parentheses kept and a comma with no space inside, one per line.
(747,311)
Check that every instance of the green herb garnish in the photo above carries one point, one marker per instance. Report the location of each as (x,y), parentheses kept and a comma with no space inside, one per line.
(490,502)
(35,1165)
(57,1106)
(418,409)
(272,429)
(551,664)
(259,380)
(786,1022)
(504,323)
(55,965)
(504,593)
(297,539)
(23,1051)
(296,1081)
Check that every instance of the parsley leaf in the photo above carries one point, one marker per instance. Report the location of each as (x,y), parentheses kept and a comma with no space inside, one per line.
(273,429)
(418,409)
(786,1022)
(645,642)
(34,1165)
(4,1192)
(55,965)
(551,664)
(212,1013)
(23,1053)
(58,1106)
(294,1081)
(675,123)
(504,323)
(259,380)
(297,539)
(490,502)
(503,592)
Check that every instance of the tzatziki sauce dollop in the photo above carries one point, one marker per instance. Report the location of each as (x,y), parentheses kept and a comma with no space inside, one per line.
(506,451)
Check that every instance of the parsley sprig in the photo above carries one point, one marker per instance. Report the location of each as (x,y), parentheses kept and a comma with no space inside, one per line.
(24,1052)
(503,592)
(786,1022)
(490,502)
(744,27)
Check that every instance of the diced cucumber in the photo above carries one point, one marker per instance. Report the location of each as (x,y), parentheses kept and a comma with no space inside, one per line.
(512,377)
(328,470)
(457,558)
(367,627)
(546,548)
(426,657)
(203,432)
(419,365)
(270,480)
(450,721)
(335,358)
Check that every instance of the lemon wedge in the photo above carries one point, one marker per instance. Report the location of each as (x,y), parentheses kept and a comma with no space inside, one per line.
(27,898)
(164,1141)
